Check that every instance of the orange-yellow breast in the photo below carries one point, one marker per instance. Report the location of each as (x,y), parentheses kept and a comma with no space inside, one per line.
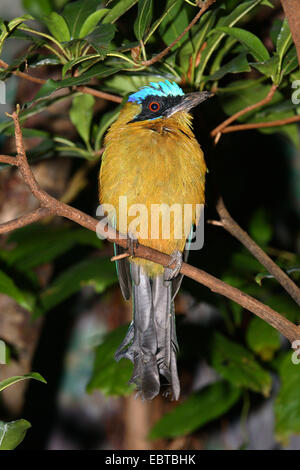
(152,163)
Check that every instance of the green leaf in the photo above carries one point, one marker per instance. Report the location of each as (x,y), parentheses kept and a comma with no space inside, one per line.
(252,43)
(97,71)
(143,18)
(246,93)
(91,22)
(260,228)
(37,8)
(109,376)
(283,43)
(101,37)
(198,35)
(17,21)
(237,65)
(15,65)
(275,30)
(69,65)
(215,38)
(174,23)
(240,11)
(122,83)
(286,306)
(13,433)
(58,4)
(118,10)
(200,408)
(81,114)
(268,68)
(76,13)
(57,26)
(7,29)
(38,244)
(12,380)
(45,60)
(244,262)
(156,24)
(222,52)
(284,39)
(105,122)
(95,272)
(260,276)
(31,109)
(287,404)
(262,339)
(8,287)
(290,130)
(238,366)
(295,75)
(267,3)
(290,61)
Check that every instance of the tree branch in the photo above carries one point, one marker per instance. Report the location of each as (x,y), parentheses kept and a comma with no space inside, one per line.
(292,12)
(8,160)
(232,227)
(55,207)
(24,220)
(221,127)
(99,94)
(261,125)
(163,53)
(40,81)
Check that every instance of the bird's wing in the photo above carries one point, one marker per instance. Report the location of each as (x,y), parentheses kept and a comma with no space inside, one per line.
(123,271)
(176,282)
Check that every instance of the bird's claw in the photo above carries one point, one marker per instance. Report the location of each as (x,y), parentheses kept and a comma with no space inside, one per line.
(176,260)
(132,244)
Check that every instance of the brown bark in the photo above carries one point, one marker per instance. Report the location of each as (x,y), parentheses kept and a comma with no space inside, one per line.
(292,12)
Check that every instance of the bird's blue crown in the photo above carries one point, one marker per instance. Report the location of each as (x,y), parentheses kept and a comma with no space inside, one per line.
(165,88)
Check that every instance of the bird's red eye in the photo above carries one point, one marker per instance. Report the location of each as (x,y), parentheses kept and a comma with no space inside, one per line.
(154,106)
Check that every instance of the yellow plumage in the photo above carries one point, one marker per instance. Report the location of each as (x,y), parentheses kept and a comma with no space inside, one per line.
(153,162)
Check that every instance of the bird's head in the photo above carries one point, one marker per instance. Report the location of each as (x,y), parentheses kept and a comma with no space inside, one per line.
(162,100)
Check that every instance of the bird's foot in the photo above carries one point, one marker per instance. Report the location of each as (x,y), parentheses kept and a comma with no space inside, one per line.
(132,244)
(176,262)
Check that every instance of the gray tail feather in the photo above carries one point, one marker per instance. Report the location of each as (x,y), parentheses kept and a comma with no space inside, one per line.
(151,342)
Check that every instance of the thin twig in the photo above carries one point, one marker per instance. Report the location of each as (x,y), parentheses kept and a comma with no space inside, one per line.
(30,78)
(121,256)
(24,220)
(223,125)
(215,222)
(232,227)
(261,125)
(8,160)
(287,328)
(99,94)
(163,53)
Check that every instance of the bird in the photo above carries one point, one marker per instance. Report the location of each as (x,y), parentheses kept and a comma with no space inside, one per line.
(152,158)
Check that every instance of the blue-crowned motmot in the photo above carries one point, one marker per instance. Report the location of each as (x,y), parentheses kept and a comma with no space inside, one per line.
(152,157)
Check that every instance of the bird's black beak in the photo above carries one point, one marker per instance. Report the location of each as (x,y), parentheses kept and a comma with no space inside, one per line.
(189,101)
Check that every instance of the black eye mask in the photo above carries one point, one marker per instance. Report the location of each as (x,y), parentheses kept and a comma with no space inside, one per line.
(154,107)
